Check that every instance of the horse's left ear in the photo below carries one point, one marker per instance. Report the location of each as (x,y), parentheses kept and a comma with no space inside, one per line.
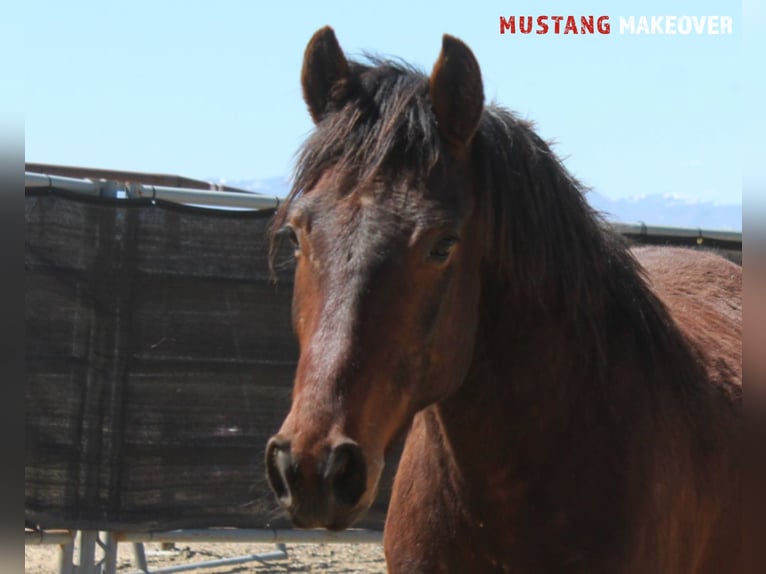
(324,65)
(456,91)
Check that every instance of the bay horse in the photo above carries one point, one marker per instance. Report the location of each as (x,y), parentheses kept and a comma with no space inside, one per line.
(570,405)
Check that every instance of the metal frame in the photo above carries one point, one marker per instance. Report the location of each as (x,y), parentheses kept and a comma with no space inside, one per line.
(642,229)
(90,540)
(114,189)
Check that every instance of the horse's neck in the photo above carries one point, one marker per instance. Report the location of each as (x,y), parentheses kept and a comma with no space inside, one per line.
(528,381)
(537,377)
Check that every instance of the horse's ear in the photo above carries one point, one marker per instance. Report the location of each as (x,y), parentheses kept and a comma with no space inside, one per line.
(456,92)
(323,66)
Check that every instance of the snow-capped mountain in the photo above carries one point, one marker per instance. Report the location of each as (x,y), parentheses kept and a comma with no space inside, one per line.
(671,210)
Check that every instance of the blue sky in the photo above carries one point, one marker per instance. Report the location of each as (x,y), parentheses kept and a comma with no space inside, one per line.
(211,89)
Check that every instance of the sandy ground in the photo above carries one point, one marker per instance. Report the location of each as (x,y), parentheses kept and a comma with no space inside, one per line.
(313,558)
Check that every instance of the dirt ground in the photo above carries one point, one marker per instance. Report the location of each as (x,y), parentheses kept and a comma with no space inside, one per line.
(313,558)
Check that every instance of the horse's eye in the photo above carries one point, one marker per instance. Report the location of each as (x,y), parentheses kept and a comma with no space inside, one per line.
(441,250)
(287,232)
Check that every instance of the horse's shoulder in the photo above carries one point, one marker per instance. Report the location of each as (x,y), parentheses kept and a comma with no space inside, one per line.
(703,293)
(693,270)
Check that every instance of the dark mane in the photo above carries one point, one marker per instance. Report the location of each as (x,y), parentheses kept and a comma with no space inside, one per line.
(384,125)
(381,125)
(551,247)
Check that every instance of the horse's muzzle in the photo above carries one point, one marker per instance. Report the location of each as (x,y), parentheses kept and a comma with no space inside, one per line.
(318,493)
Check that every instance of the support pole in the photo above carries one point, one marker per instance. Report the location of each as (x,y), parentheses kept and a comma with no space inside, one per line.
(139,557)
(88,539)
(66,557)
(110,553)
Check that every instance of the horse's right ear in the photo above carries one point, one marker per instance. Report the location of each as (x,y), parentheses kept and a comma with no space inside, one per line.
(323,66)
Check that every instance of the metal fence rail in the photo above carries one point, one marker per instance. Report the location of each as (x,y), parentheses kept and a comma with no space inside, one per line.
(642,230)
(113,189)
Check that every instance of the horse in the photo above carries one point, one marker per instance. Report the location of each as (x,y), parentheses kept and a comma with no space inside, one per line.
(568,403)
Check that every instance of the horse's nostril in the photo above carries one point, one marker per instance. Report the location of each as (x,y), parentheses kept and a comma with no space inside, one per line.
(346,473)
(279,467)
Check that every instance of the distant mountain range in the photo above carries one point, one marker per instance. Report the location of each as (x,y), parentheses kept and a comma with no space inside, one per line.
(671,210)
(277,186)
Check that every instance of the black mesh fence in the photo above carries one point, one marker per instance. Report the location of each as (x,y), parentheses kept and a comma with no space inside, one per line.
(159,358)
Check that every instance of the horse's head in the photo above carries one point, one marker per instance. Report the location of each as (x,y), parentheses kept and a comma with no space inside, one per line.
(383,220)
